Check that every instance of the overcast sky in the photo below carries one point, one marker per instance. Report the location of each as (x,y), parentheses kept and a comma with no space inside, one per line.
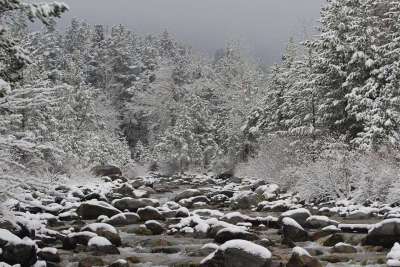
(264,26)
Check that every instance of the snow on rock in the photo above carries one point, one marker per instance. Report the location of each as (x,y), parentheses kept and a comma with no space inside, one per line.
(292,231)
(92,209)
(231,233)
(208,213)
(385,233)
(104,230)
(393,257)
(319,222)
(8,237)
(235,217)
(99,241)
(301,258)
(299,215)
(238,253)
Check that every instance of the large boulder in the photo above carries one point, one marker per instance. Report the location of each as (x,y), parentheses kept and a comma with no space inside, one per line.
(16,250)
(238,253)
(104,230)
(92,209)
(106,170)
(299,215)
(384,234)
(292,231)
(132,204)
(301,258)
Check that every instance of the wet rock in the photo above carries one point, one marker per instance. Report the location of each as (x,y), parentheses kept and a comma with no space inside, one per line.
(384,234)
(332,240)
(92,209)
(133,204)
(106,170)
(238,253)
(299,215)
(68,216)
(155,227)
(101,246)
(354,228)
(150,213)
(227,234)
(344,248)
(117,220)
(49,255)
(292,231)
(301,258)
(104,230)
(16,250)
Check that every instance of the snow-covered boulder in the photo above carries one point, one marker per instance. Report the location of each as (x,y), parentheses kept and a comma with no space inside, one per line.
(121,219)
(16,250)
(385,233)
(393,257)
(299,215)
(292,231)
(92,209)
(132,204)
(238,253)
(301,258)
(101,246)
(104,230)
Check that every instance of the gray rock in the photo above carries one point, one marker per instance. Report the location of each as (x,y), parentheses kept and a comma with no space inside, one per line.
(227,234)
(292,231)
(92,209)
(133,204)
(385,233)
(150,213)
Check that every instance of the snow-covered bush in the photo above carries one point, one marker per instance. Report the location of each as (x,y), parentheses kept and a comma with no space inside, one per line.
(340,173)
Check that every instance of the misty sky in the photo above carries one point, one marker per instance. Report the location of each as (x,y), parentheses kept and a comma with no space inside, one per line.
(263,26)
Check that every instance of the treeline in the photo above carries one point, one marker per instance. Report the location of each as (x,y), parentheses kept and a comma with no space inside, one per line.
(92,94)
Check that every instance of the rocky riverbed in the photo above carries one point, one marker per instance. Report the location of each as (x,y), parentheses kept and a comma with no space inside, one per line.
(193,220)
